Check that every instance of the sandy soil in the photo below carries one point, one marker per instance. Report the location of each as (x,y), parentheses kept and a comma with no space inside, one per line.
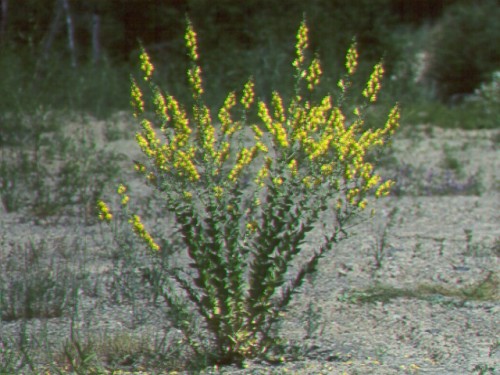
(449,241)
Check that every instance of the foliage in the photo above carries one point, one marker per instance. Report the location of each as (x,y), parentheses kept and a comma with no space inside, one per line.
(464,49)
(27,85)
(243,207)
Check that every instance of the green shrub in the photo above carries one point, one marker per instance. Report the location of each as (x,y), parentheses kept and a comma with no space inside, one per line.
(464,50)
(245,192)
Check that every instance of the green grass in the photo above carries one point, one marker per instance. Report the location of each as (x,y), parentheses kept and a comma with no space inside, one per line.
(484,290)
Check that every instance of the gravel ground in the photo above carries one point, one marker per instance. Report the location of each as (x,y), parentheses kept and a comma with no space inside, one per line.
(447,241)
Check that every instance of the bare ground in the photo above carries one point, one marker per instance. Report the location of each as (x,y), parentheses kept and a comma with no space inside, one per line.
(431,307)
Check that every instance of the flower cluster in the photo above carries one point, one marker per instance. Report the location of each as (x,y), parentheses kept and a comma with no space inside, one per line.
(141,231)
(374,83)
(301,46)
(104,212)
(146,65)
(352,59)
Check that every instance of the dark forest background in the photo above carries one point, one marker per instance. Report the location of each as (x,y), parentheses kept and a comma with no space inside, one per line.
(78,55)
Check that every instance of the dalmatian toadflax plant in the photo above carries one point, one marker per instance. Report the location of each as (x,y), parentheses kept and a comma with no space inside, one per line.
(246,194)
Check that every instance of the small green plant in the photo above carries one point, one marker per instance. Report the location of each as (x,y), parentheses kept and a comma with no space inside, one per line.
(245,191)
(32,287)
(79,355)
(10,357)
(381,237)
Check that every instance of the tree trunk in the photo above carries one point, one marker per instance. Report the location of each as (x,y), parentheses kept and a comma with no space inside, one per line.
(71,32)
(53,29)
(96,47)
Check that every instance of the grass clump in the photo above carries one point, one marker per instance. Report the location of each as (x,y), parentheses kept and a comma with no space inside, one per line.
(245,191)
(484,290)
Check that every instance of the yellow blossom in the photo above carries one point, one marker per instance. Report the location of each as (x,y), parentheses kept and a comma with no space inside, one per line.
(184,164)
(195,81)
(146,65)
(160,105)
(136,99)
(104,212)
(141,231)
(279,112)
(191,43)
(257,131)
(277,181)
(384,189)
(248,94)
(218,191)
(313,74)
(263,173)
(245,157)
(251,226)
(362,204)
(374,83)
(227,124)
(393,120)
(352,59)
(293,167)
(301,45)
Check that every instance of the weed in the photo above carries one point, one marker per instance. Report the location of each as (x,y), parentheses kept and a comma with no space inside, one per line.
(313,321)
(479,249)
(450,162)
(10,357)
(483,369)
(485,290)
(34,287)
(79,355)
(243,208)
(381,237)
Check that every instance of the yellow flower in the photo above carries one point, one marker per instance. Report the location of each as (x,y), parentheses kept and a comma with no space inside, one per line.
(245,157)
(301,45)
(251,226)
(263,172)
(279,112)
(218,191)
(352,59)
(195,81)
(141,231)
(160,105)
(314,74)
(104,212)
(374,83)
(327,169)
(146,65)
(248,94)
(184,164)
(384,189)
(258,133)
(293,167)
(122,189)
(136,99)
(362,204)
(191,43)
(139,167)
(393,120)
(225,114)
